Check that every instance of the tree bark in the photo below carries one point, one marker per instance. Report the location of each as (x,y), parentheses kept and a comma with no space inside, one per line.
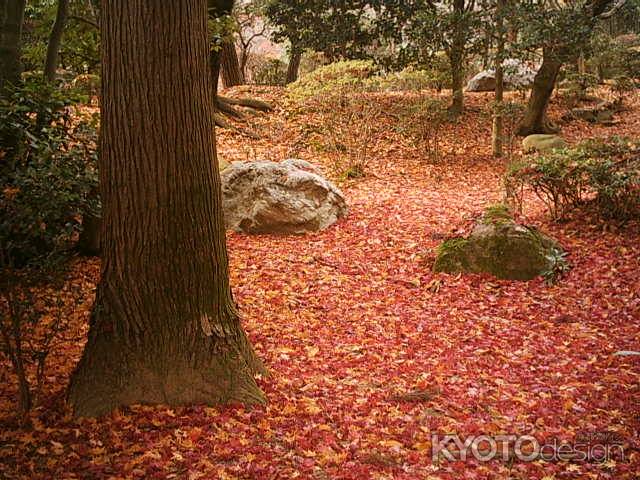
(231,74)
(164,328)
(53,47)
(535,117)
(294,66)
(11,44)
(456,58)
(497,130)
(3,7)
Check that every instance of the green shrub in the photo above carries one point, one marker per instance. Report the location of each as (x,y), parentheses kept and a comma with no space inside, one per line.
(578,85)
(410,79)
(423,122)
(604,174)
(272,71)
(47,184)
(623,87)
(613,57)
(87,84)
(616,183)
(348,125)
(310,61)
(348,74)
(47,172)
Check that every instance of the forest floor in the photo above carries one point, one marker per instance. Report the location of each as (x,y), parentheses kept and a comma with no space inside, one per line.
(370,352)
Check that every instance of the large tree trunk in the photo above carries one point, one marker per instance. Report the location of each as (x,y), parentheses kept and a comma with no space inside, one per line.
(535,117)
(164,328)
(231,74)
(11,43)
(51,62)
(294,66)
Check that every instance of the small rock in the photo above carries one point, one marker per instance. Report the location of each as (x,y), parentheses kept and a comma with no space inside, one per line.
(542,143)
(516,75)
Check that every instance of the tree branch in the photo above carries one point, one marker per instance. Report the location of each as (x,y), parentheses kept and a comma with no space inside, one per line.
(84,20)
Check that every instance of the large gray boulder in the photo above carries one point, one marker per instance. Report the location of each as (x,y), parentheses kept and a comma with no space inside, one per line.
(516,75)
(503,248)
(279,197)
(540,142)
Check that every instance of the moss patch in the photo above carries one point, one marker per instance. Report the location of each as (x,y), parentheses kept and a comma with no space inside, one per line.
(451,256)
(503,248)
(498,212)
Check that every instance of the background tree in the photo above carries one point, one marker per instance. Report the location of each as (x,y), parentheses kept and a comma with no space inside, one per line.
(339,29)
(497,129)
(231,73)
(11,43)
(51,62)
(561,32)
(164,328)
(221,26)
(251,25)
(452,26)
(293,67)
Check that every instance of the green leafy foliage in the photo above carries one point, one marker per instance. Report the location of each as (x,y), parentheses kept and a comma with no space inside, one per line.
(48,175)
(558,266)
(80,48)
(436,76)
(341,30)
(604,174)
(352,74)
(422,121)
(578,86)
(270,71)
(623,87)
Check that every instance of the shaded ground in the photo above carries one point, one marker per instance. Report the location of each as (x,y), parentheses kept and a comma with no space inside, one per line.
(370,352)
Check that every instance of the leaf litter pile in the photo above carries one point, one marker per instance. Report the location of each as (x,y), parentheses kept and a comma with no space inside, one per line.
(370,353)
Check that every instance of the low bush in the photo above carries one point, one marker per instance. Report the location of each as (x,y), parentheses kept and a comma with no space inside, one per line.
(48,183)
(349,74)
(345,132)
(603,174)
(578,86)
(267,71)
(614,56)
(48,174)
(423,122)
(411,79)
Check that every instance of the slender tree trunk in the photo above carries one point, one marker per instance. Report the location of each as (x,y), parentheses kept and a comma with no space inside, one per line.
(581,64)
(456,58)
(11,43)
(497,132)
(294,66)
(214,66)
(231,74)
(3,7)
(164,328)
(51,62)
(457,85)
(535,117)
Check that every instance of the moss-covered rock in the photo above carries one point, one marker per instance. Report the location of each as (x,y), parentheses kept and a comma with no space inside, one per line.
(504,249)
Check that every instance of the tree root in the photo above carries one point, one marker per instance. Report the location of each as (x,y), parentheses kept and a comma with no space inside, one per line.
(546,127)
(247,102)
(225,108)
